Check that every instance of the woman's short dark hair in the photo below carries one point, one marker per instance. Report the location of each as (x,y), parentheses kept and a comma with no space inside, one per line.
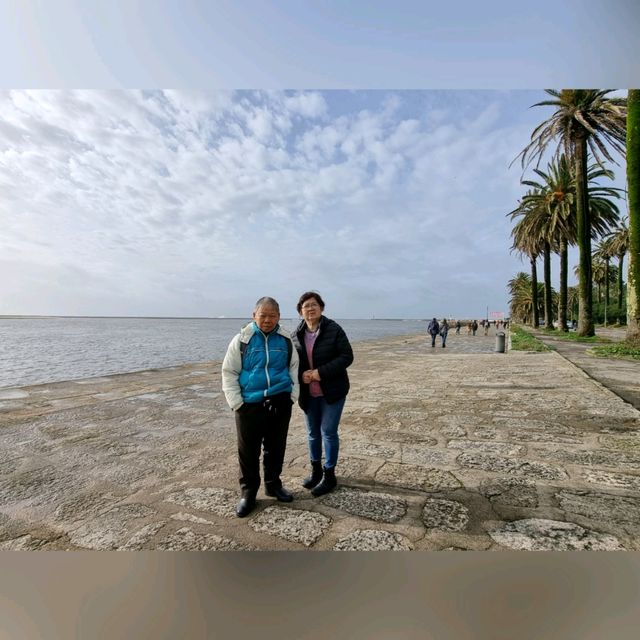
(308,295)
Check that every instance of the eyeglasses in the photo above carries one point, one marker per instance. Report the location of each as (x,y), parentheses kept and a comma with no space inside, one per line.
(311,305)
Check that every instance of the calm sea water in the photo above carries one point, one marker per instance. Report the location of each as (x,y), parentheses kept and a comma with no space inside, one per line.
(38,350)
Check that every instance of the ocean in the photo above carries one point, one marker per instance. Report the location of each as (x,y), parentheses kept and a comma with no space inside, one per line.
(39,350)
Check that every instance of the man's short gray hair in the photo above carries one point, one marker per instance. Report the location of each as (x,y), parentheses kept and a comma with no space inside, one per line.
(266,301)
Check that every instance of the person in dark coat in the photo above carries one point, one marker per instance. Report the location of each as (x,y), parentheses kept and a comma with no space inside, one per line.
(325,353)
(433,328)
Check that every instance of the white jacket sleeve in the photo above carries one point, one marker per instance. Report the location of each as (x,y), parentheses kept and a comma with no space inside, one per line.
(231,368)
(293,372)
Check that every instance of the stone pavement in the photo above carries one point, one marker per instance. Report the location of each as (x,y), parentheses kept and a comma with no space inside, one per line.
(619,375)
(441,449)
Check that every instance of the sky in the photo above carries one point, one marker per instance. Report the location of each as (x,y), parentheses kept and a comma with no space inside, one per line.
(386,193)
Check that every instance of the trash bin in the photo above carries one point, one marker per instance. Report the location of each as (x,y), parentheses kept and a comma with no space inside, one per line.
(499,342)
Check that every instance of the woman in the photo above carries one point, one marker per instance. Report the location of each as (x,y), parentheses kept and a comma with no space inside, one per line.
(444,331)
(325,354)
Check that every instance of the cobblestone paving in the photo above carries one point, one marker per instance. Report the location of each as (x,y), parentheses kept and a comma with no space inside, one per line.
(441,449)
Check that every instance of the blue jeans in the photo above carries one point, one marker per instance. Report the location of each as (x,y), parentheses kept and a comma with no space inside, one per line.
(322,420)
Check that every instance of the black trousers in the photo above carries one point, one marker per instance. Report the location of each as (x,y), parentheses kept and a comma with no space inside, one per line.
(262,425)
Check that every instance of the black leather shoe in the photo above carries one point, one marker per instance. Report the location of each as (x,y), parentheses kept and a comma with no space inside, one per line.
(280,494)
(245,506)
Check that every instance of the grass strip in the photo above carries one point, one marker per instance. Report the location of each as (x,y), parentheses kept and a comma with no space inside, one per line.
(572,336)
(617,350)
(522,340)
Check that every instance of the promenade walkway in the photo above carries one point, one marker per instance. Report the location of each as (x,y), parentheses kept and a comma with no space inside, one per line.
(619,375)
(442,449)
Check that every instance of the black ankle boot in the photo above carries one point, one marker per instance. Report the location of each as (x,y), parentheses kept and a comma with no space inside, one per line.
(328,483)
(247,504)
(316,475)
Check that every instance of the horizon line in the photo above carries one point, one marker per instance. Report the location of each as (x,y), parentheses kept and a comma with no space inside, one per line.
(20,316)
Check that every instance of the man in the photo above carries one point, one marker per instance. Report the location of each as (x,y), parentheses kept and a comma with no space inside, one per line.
(260,383)
(433,328)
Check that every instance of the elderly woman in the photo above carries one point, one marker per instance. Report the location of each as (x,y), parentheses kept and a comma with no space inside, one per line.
(325,353)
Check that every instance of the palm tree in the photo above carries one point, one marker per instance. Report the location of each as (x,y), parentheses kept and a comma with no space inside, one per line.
(603,253)
(584,120)
(522,304)
(553,199)
(633,189)
(572,301)
(599,273)
(619,239)
(527,244)
(556,192)
(533,230)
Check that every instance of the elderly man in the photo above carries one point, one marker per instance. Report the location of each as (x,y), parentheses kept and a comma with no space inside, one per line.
(260,383)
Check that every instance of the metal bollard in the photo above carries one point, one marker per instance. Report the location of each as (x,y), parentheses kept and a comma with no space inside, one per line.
(499,342)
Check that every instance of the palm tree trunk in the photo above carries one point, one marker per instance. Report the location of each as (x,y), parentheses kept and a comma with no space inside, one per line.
(606,289)
(562,305)
(548,300)
(620,287)
(633,187)
(534,292)
(585,291)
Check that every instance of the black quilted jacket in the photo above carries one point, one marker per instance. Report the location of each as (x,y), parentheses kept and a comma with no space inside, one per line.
(332,354)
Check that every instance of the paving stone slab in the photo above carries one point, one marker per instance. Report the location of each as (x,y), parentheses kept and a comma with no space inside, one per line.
(142,537)
(188,517)
(425,455)
(600,457)
(404,437)
(360,448)
(529,431)
(457,421)
(497,464)
(37,486)
(453,431)
(382,507)
(617,480)
(186,539)
(537,534)
(445,515)
(84,506)
(629,442)
(295,525)
(497,448)
(509,491)
(23,543)
(373,540)
(601,506)
(111,530)
(222,502)
(350,467)
(416,477)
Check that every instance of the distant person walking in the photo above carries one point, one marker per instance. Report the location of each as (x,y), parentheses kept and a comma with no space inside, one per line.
(325,353)
(433,328)
(486,328)
(260,384)
(458,325)
(444,331)
(474,326)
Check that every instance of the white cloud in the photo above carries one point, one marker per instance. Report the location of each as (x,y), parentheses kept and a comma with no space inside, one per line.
(190,203)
